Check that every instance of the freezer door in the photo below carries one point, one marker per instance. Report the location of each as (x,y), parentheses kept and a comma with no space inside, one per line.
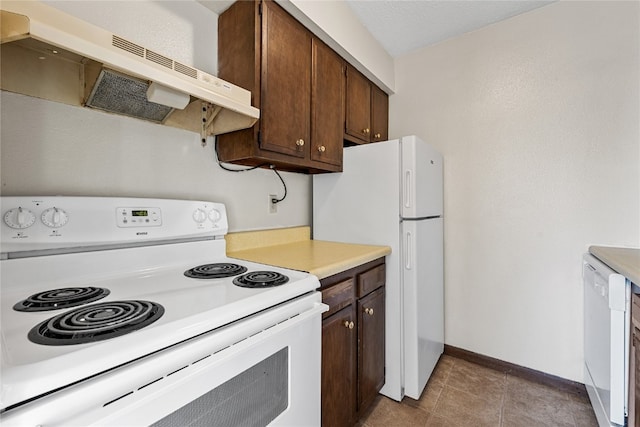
(423,298)
(421,171)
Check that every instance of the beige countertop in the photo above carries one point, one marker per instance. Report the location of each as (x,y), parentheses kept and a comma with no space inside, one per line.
(625,261)
(318,257)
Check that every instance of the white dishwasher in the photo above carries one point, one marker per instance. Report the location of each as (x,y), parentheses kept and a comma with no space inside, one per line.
(607,296)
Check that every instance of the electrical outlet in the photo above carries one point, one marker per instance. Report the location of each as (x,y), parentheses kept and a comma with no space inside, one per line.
(273,207)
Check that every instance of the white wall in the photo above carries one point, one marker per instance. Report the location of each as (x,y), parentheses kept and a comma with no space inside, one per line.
(334,22)
(537,117)
(54,149)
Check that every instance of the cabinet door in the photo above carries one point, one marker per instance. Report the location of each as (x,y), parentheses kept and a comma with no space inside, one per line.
(379,114)
(358,106)
(370,346)
(338,368)
(285,83)
(327,107)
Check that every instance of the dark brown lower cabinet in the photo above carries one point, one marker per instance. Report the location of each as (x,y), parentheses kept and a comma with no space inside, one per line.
(371,348)
(352,342)
(339,368)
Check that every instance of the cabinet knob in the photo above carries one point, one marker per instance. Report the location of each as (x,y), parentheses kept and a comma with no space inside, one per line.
(366,131)
(348,324)
(377,135)
(322,149)
(369,311)
(300,142)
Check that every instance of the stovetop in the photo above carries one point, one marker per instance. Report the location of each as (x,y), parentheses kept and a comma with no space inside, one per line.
(156,274)
(191,307)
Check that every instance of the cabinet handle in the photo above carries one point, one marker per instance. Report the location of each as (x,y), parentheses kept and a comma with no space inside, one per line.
(348,324)
(322,149)
(365,131)
(377,135)
(300,142)
(369,311)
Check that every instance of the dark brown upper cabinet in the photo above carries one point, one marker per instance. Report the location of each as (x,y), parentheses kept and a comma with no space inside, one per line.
(295,80)
(327,104)
(379,114)
(367,110)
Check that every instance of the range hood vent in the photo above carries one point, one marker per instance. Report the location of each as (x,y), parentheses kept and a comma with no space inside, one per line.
(117,93)
(52,55)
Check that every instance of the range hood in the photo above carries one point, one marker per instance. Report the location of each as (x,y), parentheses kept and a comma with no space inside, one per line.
(49,54)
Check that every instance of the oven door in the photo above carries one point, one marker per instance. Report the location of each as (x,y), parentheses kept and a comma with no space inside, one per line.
(262,370)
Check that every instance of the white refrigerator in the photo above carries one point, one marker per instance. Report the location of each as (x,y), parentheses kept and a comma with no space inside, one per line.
(390,193)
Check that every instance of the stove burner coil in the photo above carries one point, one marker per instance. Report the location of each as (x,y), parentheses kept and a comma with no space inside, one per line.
(56,299)
(260,279)
(96,322)
(215,271)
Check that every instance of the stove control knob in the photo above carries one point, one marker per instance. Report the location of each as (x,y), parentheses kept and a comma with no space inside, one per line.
(214,215)
(199,216)
(19,218)
(54,217)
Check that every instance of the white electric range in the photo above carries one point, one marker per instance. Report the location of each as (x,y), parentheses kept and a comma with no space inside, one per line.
(127,311)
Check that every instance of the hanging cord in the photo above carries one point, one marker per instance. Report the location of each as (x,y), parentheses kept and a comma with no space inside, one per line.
(274,200)
(272,167)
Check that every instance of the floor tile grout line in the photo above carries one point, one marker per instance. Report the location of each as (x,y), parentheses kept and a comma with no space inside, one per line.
(504,397)
(435,404)
(444,383)
(453,363)
(572,406)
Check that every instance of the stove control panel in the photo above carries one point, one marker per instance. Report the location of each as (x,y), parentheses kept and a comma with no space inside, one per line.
(138,217)
(54,222)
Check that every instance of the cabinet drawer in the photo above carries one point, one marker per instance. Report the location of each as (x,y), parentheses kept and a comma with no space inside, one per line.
(371,280)
(338,296)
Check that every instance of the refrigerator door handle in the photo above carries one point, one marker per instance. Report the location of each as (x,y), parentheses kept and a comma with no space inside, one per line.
(407,189)
(408,252)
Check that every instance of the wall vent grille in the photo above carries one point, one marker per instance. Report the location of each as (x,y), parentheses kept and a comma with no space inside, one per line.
(128,46)
(187,71)
(159,59)
(152,56)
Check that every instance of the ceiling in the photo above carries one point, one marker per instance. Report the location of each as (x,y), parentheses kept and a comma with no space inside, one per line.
(402,26)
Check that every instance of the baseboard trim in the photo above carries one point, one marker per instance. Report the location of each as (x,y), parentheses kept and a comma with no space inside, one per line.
(517,370)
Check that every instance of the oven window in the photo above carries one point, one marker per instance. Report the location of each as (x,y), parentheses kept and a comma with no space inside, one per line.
(254,397)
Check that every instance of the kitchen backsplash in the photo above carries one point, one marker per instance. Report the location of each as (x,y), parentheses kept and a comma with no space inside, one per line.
(54,149)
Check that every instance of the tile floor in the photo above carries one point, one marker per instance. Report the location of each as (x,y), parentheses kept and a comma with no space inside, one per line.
(460,393)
